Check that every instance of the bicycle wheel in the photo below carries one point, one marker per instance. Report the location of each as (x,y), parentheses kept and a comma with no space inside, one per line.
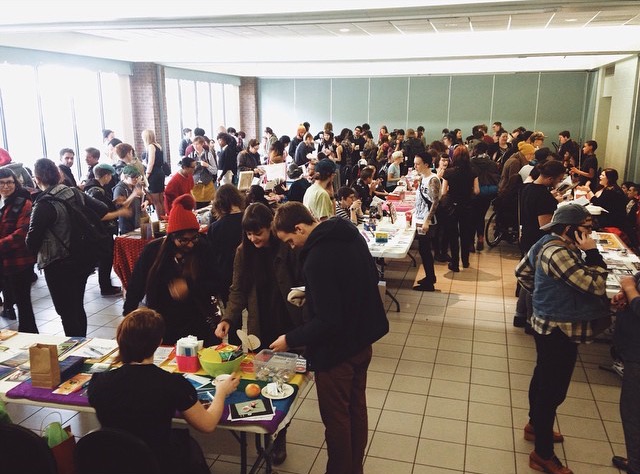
(492,235)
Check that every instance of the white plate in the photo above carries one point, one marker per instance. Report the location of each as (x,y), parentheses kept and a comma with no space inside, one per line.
(287,391)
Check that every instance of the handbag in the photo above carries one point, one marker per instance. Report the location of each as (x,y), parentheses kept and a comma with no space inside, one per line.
(166,168)
(204,192)
(62,444)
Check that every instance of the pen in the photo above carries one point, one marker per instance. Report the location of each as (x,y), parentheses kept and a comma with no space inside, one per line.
(93,349)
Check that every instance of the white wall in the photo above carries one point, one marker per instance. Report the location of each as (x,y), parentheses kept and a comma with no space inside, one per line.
(622,89)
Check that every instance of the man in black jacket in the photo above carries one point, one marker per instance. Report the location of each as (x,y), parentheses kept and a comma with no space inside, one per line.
(344,320)
(227,159)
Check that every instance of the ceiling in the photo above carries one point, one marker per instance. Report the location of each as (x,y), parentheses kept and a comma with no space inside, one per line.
(278,38)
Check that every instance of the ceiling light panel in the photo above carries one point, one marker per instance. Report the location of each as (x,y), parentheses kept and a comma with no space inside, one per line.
(532,20)
(451,25)
(490,23)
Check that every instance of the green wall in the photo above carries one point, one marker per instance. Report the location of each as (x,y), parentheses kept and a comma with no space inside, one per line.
(550,102)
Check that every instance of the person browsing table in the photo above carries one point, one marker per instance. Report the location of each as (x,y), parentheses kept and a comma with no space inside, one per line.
(140,398)
(343,322)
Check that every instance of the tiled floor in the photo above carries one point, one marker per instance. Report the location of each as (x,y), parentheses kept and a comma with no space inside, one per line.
(447,388)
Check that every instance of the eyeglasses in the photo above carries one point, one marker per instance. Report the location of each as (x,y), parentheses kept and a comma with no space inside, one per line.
(187,240)
(7,183)
(588,227)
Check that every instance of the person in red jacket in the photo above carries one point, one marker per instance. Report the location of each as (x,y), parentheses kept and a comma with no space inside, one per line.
(17,261)
(180,183)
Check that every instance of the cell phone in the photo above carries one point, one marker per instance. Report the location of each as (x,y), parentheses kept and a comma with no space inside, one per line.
(572,232)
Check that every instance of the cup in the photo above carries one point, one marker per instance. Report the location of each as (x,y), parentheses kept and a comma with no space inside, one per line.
(155,227)
(409,218)
(188,364)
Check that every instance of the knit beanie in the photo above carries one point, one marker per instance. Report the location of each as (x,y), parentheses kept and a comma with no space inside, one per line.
(526,148)
(181,216)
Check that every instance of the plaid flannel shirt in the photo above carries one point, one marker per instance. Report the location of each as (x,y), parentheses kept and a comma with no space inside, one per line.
(565,264)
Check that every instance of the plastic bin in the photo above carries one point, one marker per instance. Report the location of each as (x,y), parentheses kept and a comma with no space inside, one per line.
(268,364)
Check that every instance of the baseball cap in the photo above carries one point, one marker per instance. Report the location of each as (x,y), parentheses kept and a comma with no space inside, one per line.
(569,214)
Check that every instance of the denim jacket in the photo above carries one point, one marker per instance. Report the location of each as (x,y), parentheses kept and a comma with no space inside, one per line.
(567,287)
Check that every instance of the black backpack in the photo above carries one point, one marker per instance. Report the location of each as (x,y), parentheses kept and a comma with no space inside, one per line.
(89,243)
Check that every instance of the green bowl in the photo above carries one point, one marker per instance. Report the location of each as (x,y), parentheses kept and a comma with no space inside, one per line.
(217,368)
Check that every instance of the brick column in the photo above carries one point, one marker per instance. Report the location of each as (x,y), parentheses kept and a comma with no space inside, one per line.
(148,105)
(249,107)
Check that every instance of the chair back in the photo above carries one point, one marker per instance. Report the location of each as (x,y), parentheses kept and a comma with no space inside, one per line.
(21,450)
(109,450)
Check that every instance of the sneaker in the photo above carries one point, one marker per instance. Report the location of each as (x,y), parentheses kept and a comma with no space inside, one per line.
(618,367)
(111,291)
(480,246)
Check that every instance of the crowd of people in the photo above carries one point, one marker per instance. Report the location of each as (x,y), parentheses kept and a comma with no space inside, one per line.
(260,244)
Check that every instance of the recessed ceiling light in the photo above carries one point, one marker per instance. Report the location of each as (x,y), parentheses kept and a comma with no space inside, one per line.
(344,30)
(450,25)
(570,20)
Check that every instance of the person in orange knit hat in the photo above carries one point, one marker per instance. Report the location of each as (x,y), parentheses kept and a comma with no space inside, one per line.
(174,274)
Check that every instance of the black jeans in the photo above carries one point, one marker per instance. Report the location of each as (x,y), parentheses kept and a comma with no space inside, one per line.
(67,284)
(19,287)
(481,205)
(424,247)
(548,388)
(459,230)
(104,268)
(630,414)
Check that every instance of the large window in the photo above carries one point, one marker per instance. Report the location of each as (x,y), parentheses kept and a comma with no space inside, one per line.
(207,105)
(48,107)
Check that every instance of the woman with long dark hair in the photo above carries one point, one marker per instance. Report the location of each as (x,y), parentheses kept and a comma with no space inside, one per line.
(174,274)
(609,196)
(225,234)
(264,271)
(460,184)
(17,261)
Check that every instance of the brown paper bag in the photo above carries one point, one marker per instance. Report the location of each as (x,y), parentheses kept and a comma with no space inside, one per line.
(45,369)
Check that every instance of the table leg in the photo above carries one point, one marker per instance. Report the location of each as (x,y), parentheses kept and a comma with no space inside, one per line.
(413,259)
(264,453)
(393,298)
(242,439)
(381,265)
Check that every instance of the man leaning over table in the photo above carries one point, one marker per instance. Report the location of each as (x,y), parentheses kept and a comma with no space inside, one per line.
(342,323)
(569,307)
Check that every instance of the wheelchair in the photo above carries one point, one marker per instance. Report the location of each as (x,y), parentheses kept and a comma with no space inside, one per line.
(503,222)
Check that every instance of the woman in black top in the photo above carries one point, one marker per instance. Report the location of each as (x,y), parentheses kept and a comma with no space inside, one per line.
(264,271)
(225,235)
(610,197)
(141,398)
(174,274)
(460,184)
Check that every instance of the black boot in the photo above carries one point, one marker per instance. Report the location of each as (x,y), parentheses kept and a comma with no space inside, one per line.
(279,453)
(9,313)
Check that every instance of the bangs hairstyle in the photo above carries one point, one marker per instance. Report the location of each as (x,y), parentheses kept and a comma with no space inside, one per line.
(139,335)
(8,173)
(257,216)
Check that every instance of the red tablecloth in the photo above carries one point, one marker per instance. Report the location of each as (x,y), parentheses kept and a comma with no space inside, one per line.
(125,255)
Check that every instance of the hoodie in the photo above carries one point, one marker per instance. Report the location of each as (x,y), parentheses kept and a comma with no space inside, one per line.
(344,308)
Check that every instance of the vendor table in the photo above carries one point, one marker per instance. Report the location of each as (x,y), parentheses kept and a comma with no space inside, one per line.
(620,260)
(400,238)
(265,431)
(126,250)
